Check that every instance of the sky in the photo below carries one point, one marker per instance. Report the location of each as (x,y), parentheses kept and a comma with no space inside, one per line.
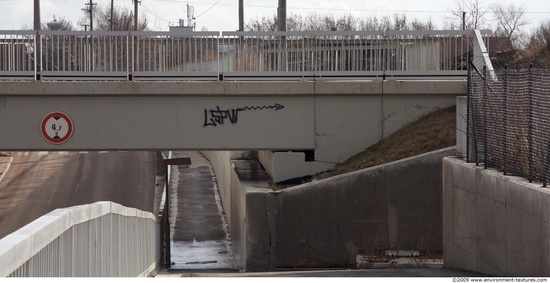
(222,15)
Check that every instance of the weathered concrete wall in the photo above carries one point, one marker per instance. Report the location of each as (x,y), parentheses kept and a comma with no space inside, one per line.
(161,115)
(461,125)
(494,224)
(336,119)
(238,220)
(351,117)
(235,200)
(220,161)
(326,223)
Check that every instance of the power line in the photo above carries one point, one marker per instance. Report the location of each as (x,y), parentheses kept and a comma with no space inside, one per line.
(336,9)
(154,15)
(208,9)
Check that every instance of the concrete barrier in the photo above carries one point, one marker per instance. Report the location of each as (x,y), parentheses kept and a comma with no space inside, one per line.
(494,224)
(328,222)
(95,240)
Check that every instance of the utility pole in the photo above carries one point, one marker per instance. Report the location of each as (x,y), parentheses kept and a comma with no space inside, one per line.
(36,14)
(241,15)
(91,11)
(463,20)
(112,10)
(281,18)
(136,15)
(38,54)
(281,15)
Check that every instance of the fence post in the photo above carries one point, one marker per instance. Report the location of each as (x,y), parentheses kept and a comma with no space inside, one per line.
(166,214)
(530,123)
(546,167)
(472,131)
(39,53)
(36,57)
(484,119)
(505,118)
(468,101)
(128,54)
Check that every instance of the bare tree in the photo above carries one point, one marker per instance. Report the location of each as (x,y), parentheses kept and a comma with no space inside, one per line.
(536,49)
(510,19)
(471,14)
(123,19)
(540,39)
(317,22)
(419,25)
(400,22)
(263,24)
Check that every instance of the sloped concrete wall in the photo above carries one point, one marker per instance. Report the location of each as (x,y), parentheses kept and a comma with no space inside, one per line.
(327,223)
(494,224)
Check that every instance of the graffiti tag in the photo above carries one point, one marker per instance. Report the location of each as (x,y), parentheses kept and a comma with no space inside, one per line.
(218,116)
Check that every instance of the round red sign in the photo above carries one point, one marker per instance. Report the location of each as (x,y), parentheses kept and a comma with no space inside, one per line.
(57,127)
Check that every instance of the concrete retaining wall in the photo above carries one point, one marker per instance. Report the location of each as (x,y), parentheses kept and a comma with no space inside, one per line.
(221,164)
(494,224)
(238,221)
(327,223)
(244,206)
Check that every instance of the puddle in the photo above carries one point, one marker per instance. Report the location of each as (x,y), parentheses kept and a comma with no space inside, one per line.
(202,255)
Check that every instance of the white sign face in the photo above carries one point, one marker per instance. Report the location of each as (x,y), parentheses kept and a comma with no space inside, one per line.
(57,127)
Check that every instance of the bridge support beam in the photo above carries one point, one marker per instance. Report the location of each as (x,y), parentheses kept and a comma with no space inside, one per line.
(160,116)
(330,120)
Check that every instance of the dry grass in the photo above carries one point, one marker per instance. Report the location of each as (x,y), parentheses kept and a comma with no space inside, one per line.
(432,132)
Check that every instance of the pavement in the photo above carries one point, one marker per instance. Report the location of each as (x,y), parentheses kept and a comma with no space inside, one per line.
(200,233)
(340,273)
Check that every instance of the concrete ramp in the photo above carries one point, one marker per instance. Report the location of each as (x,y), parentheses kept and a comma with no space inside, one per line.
(200,234)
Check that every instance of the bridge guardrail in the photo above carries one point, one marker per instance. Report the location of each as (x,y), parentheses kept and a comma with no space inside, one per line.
(177,55)
(94,240)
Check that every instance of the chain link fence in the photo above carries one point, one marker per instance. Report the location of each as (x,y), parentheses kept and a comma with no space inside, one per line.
(509,121)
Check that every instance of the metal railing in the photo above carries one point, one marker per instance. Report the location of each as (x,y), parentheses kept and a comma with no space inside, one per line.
(103,239)
(216,55)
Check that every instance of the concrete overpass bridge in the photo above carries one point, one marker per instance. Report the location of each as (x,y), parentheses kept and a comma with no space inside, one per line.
(305,101)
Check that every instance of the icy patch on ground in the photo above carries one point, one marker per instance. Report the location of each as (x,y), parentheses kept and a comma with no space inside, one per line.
(202,255)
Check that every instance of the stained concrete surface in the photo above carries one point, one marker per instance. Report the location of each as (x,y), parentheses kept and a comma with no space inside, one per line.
(199,257)
(200,235)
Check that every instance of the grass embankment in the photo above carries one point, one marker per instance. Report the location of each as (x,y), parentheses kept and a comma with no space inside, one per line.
(432,132)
